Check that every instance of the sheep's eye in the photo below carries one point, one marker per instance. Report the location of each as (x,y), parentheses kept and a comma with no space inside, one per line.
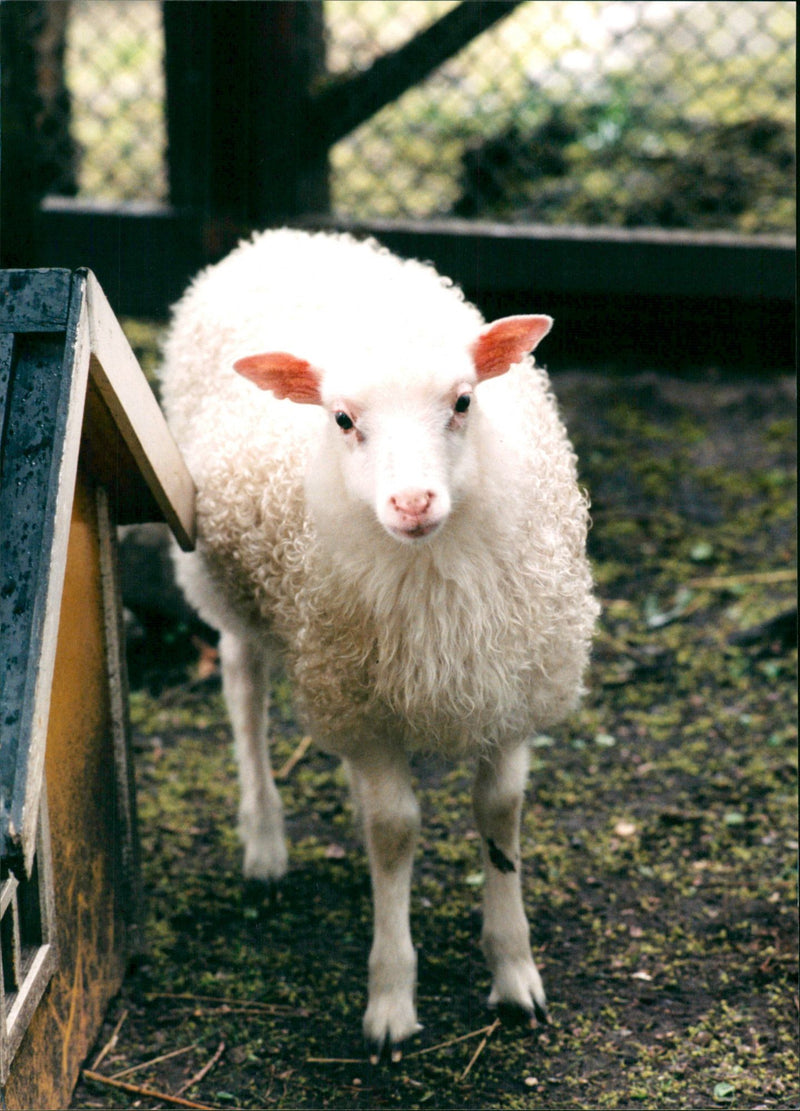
(462,404)
(344,422)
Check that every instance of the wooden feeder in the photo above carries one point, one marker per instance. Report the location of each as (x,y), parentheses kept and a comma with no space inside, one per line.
(83,448)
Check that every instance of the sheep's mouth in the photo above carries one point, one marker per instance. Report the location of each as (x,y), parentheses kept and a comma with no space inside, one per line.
(415,532)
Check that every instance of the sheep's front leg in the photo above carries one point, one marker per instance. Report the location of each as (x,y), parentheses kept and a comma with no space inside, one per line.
(382,786)
(245,678)
(498,793)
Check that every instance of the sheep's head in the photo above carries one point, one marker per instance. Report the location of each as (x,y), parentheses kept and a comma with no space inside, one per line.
(404,446)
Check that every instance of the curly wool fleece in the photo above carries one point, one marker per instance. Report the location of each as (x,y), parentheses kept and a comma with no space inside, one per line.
(478,636)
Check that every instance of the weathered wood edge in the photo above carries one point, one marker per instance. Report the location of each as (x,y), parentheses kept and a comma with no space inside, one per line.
(120,722)
(46,959)
(162,247)
(138,417)
(34,300)
(26,795)
(653,262)
(93,344)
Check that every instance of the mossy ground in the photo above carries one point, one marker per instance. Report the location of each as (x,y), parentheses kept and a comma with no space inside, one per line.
(660,836)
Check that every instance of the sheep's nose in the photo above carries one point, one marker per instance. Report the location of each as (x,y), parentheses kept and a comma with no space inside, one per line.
(414,513)
(412,503)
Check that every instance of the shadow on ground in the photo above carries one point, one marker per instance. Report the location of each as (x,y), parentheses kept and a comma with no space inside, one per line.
(660,843)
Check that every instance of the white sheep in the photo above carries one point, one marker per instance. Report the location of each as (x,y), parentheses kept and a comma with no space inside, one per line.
(410,537)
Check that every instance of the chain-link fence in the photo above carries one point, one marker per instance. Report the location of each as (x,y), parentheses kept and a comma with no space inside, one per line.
(659,113)
(114,65)
(665,114)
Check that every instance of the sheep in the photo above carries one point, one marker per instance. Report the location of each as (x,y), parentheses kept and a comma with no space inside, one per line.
(387,500)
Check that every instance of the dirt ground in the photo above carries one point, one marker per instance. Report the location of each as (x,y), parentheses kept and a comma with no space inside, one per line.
(660,836)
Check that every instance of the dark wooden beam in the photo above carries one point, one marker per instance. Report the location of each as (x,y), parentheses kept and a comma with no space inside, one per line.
(238,81)
(663,296)
(344,105)
(649,262)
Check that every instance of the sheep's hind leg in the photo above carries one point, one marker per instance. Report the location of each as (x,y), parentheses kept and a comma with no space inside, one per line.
(382,785)
(245,677)
(498,792)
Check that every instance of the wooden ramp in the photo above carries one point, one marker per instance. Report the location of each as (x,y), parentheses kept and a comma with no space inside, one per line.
(83,448)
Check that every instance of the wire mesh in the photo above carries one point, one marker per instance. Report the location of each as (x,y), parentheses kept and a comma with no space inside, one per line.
(114,65)
(661,113)
(651,113)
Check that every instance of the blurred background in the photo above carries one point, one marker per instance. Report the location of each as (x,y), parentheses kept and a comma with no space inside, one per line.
(144,138)
(656,114)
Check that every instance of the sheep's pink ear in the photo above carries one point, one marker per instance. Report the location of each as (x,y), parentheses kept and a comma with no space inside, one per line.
(505,342)
(285,375)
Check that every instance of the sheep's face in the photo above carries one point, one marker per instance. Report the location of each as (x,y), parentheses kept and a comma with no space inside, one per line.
(406,446)
(407,454)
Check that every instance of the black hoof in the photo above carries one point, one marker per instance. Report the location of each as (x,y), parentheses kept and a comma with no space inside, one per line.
(515,1016)
(259,893)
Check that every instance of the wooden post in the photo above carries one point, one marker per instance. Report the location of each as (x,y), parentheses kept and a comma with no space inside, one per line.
(239,80)
(20,192)
(38,152)
(84,447)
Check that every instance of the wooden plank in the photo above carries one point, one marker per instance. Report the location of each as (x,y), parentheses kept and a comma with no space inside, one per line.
(120,382)
(342,105)
(76,407)
(6,366)
(144,262)
(126,829)
(84,810)
(73,377)
(125,391)
(611,261)
(41,955)
(32,450)
(34,300)
(238,81)
(42,419)
(6,355)
(40,453)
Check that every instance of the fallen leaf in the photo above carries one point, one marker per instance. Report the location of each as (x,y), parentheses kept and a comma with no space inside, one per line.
(724,1092)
